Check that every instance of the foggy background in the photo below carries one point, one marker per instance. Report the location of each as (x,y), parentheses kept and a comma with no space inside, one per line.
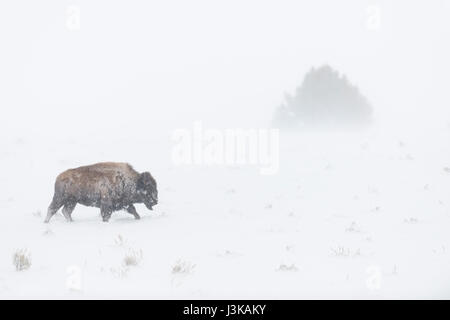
(153,66)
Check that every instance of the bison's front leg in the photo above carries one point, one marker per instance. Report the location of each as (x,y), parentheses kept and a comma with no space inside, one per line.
(132,210)
(106,213)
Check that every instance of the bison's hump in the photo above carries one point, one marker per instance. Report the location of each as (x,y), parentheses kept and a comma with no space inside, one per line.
(107,166)
(96,171)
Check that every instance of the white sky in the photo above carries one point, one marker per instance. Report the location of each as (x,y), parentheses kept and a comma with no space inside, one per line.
(152,64)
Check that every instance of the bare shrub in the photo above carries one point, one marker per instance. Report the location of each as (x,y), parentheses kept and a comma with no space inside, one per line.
(284,267)
(37,214)
(47,232)
(183,267)
(22,259)
(132,258)
(120,241)
(353,228)
(231,191)
(411,220)
(120,272)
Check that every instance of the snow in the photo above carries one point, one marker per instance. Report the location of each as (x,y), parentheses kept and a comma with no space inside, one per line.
(348,215)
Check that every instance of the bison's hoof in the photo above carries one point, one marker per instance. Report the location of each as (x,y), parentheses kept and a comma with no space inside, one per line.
(137,217)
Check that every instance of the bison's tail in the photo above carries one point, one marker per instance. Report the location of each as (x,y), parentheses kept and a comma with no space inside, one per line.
(55,205)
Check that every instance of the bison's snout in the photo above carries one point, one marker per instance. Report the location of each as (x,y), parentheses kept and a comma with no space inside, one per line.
(150,205)
(151,200)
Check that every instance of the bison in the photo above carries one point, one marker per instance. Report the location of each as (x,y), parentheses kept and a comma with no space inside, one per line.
(109,186)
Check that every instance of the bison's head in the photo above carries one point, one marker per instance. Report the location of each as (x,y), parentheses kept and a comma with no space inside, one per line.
(146,187)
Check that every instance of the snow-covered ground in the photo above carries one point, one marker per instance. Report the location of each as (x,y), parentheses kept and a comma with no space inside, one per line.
(349,215)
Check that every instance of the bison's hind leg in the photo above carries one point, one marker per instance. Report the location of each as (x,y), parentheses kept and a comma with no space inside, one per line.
(53,208)
(132,210)
(68,209)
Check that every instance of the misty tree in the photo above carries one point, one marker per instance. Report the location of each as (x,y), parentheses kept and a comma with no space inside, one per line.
(324,98)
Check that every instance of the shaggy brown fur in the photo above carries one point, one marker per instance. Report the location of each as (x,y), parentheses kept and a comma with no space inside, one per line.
(109,186)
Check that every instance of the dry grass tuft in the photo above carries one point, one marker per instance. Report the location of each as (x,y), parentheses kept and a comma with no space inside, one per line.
(22,259)
(183,267)
(132,258)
